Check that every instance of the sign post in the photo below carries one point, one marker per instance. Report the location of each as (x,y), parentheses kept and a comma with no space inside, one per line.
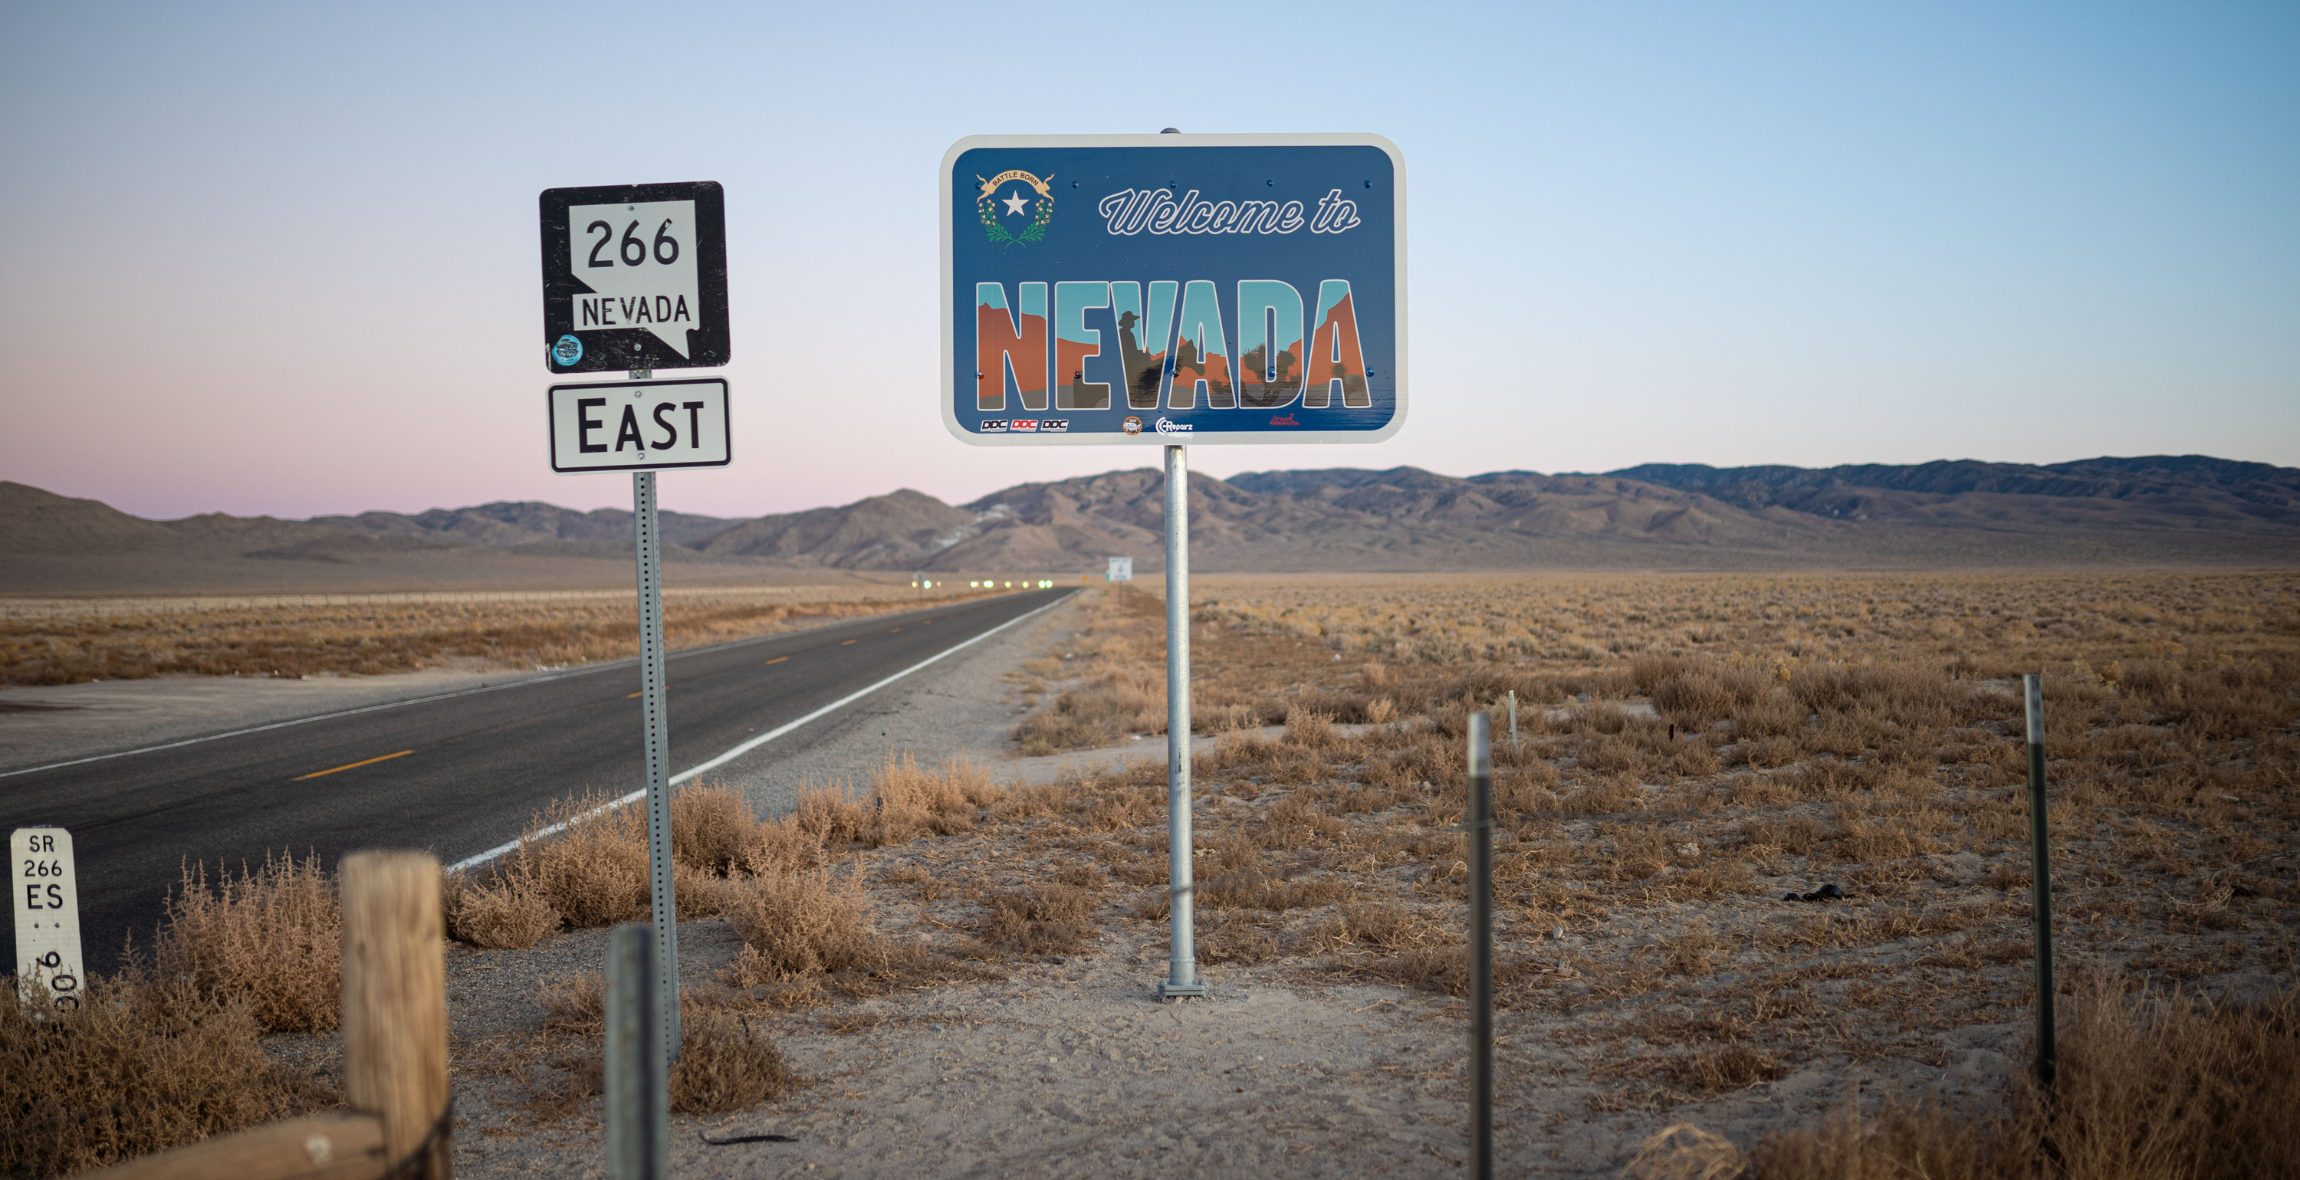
(45,885)
(635,278)
(1165,290)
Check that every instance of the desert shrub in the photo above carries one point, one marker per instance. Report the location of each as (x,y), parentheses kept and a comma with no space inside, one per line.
(576,1004)
(1793,834)
(1386,925)
(800,924)
(270,936)
(724,1064)
(1235,940)
(2150,1084)
(1693,698)
(710,827)
(1119,697)
(1649,672)
(907,802)
(1609,755)
(1309,729)
(1903,693)
(1710,1069)
(1039,919)
(830,818)
(594,870)
(138,1067)
(501,912)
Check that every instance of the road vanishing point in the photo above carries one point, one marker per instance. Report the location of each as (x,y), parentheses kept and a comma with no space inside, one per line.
(459,773)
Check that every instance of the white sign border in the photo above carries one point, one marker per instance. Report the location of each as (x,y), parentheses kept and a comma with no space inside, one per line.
(726,423)
(1399,364)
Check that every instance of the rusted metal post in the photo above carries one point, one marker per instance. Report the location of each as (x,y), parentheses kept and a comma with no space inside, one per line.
(1480,825)
(2040,885)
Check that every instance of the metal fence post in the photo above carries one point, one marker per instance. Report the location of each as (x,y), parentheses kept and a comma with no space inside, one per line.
(2040,862)
(638,1070)
(1513,725)
(1480,825)
(657,724)
(1182,957)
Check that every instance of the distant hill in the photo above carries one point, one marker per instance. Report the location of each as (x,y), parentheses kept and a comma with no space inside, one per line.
(506,524)
(2158,510)
(2153,491)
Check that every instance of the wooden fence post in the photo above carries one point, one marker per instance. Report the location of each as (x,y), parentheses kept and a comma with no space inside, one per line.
(394,1051)
(395,1004)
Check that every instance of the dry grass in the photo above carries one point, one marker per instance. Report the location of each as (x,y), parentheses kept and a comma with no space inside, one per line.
(2151,1084)
(366,636)
(1040,919)
(269,938)
(1691,752)
(799,925)
(140,1066)
(724,1064)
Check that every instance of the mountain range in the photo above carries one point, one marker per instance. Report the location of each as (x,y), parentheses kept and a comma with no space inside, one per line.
(2155,510)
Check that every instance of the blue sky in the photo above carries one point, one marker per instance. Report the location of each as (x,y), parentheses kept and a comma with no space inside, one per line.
(283,259)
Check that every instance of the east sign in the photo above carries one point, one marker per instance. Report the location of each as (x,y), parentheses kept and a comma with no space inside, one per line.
(1117,289)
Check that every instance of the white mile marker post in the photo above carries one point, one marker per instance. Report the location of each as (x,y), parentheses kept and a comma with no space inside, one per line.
(46,888)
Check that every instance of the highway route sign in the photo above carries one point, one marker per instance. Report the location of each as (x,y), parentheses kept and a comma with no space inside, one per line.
(45,885)
(1163,289)
(635,277)
(639,425)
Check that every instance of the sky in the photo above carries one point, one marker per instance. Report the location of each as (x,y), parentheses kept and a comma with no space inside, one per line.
(283,259)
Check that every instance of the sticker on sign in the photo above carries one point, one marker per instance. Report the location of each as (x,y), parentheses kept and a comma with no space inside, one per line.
(42,880)
(639,425)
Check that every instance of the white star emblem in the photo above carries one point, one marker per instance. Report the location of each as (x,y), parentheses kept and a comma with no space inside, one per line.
(1016,203)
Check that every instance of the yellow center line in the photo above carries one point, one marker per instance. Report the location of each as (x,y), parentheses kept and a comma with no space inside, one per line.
(628,697)
(893,630)
(848,641)
(384,758)
(778,659)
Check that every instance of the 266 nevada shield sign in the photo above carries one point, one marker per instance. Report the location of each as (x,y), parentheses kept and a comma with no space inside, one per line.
(1173,288)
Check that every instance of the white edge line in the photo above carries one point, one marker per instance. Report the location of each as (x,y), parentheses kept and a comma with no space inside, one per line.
(521,682)
(471,862)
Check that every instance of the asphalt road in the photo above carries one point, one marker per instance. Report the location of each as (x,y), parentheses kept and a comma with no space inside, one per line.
(457,775)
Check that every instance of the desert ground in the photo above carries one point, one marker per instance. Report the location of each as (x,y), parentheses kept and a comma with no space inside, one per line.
(929,950)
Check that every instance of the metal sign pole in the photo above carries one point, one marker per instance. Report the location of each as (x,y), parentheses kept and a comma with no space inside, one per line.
(1182,960)
(1480,824)
(657,724)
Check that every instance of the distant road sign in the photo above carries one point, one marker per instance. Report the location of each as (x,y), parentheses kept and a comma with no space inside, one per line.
(1119,289)
(1121,570)
(46,887)
(639,425)
(635,277)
